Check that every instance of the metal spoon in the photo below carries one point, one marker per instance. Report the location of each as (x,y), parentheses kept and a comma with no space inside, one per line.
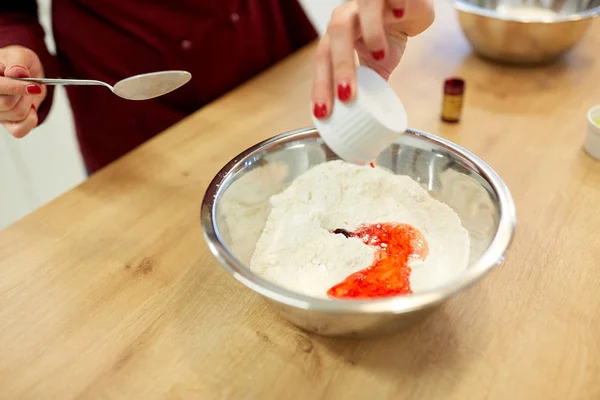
(138,87)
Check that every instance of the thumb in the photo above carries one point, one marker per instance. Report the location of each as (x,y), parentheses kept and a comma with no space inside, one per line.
(13,70)
(15,62)
(18,61)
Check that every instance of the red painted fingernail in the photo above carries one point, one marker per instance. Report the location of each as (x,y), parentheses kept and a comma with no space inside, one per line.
(398,12)
(33,89)
(33,107)
(320,110)
(344,91)
(378,55)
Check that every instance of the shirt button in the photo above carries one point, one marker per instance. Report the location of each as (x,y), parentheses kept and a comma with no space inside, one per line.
(235,17)
(186,44)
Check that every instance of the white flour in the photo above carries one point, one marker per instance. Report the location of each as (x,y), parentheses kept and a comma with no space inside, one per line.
(296,249)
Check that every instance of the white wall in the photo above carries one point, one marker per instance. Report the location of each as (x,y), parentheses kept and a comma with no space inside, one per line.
(41,166)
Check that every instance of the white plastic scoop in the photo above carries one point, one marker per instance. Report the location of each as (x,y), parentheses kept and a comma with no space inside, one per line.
(360,130)
(138,87)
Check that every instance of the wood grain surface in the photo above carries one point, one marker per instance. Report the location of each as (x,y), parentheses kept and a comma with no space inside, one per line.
(110,292)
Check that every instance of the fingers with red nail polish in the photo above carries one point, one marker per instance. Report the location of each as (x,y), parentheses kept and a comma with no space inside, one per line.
(320,110)
(342,31)
(398,12)
(376,31)
(378,55)
(19,99)
(21,128)
(370,15)
(398,8)
(13,87)
(344,92)
(322,96)
(413,17)
(33,89)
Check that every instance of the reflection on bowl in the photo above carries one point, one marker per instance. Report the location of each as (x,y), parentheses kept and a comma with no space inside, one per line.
(525,31)
(236,207)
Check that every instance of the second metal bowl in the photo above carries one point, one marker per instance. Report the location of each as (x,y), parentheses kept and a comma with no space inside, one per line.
(525,31)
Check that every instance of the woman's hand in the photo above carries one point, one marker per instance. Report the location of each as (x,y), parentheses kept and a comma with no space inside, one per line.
(378,31)
(19,100)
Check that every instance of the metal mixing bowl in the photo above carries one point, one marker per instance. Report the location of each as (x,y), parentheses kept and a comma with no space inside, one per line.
(498,34)
(236,207)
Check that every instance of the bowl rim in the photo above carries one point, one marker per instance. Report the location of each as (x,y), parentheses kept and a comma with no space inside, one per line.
(465,6)
(493,255)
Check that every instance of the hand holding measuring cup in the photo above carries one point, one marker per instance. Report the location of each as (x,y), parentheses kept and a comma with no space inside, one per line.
(375,30)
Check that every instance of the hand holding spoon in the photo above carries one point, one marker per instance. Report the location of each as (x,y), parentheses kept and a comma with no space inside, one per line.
(138,87)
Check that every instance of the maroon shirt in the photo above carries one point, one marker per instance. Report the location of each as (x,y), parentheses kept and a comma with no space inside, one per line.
(221,42)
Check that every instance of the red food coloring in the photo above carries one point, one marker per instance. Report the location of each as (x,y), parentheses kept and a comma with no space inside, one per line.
(372,164)
(389,274)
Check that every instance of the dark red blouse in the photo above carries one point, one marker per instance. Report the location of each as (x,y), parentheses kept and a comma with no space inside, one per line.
(221,42)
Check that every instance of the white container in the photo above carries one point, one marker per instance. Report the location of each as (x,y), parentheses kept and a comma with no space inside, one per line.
(360,130)
(592,139)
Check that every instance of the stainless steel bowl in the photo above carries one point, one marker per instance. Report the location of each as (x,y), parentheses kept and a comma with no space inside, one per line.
(498,32)
(236,207)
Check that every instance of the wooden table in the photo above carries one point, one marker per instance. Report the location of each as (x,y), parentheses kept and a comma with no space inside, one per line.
(110,291)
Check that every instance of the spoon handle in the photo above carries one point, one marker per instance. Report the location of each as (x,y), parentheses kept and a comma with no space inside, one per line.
(52,81)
